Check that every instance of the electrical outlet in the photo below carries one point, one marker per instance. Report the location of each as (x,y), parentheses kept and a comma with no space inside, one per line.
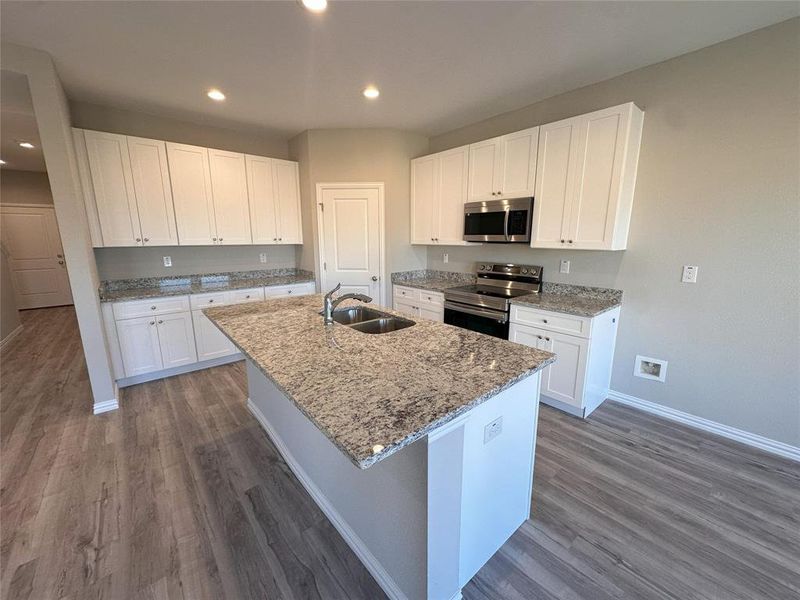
(564,267)
(263,257)
(689,274)
(492,430)
(445,257)
(167,261)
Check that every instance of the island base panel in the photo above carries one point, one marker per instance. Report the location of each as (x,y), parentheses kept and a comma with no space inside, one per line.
(424,519)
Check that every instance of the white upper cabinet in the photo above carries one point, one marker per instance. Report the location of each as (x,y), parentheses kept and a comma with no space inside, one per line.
(286,189)
(229,193)
(585,180)
(151,183)
(424,178)
(191,192)
(438,192)
(274,191)
(503,167)
(112,181)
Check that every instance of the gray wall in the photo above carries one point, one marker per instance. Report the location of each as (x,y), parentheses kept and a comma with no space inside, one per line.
(24,187)
(717,187)
(125,263)
(361,155)
(9,315)
(128,122)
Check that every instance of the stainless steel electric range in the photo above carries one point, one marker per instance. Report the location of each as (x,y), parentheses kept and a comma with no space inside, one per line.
(485,306)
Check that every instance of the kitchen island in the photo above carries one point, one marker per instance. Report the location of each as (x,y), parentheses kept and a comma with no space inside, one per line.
(417,444)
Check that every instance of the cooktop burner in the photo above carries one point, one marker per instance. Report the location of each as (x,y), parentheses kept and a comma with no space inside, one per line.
(496,285)
(485,290)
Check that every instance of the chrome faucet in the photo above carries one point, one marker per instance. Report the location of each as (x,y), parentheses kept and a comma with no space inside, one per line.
(330,303)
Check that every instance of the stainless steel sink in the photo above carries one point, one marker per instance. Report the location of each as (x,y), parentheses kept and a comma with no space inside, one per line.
(356,314)
(382,325)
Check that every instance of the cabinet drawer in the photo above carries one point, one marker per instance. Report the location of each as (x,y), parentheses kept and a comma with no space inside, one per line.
(406,293)
(150,306)
(580,326)
(298,289)
(242,296)
(433,298)
(209,299)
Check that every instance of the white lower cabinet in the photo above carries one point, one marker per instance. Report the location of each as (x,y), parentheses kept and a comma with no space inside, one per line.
(211,342)
(419,303)
(579,380)
(138,343)
(176,340)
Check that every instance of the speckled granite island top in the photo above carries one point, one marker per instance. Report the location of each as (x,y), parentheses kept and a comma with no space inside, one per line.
(373,394)
(153,287)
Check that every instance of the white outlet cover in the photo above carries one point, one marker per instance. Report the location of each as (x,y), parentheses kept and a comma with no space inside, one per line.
(167,261)
(492,430)
(445,257)
(262,257)
(564,266)
(647,367)
(689,274)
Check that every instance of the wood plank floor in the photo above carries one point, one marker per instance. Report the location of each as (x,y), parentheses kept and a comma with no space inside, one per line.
(179,494)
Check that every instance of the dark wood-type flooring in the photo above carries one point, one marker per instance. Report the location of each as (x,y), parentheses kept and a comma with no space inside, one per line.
(179,494)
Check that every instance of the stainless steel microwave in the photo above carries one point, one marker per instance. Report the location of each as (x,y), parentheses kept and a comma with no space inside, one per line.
(498,220)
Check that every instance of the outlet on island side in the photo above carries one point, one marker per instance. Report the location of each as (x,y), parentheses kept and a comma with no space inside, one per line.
(167,261)
(492,430)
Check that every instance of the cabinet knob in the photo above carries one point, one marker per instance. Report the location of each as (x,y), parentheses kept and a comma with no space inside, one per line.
(211,300)
(160,321)
(274,239)
(248,295)
(569,241)
(374,278)
(215,239)
(138,239)
(152,308)
(547,339)
(152,322)
(220,239)
(538,336)
(288,291)
(562,241)
(146,239)
(499,193)
(544,320)
(280,239)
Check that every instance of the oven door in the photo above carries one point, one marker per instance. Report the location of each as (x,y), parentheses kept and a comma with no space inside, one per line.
(498,220)
(482,320)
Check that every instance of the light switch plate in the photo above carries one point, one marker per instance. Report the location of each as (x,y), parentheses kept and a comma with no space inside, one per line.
(492,430)
(564,266)
(262,257)
(167,261)
(689,274)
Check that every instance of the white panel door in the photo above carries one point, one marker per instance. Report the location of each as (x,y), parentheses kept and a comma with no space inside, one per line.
(229,190)
(518,172)
(554,184)
(599,160)
(424,200)
(191,192)
(563,380)
(138,344)
(35,257)
(263,205)
(153,191)
(485,161)
(211,342)
(351,230)
(286,186)
(452,194)
(110,167)
(176,339)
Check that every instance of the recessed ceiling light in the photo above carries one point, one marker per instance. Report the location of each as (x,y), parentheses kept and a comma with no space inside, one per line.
(371,92)
(215,94)
(316,6)
(26,145)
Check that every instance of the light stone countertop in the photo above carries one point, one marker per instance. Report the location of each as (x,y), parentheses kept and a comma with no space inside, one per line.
(371,395)
(152,287)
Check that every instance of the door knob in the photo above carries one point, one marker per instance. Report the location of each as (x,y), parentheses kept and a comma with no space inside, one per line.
(59,256)
(374,278)
(61,262)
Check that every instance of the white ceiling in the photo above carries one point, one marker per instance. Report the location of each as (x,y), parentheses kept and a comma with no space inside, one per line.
(439,65)
(17,124)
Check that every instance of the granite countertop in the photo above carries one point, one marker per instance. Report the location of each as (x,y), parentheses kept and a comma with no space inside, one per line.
(151,287)
(575,300)
(373,394)
(432,280)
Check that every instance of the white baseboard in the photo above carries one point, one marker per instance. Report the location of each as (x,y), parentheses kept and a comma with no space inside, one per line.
(372,564)
(106,406)
(11,336)
(739,435)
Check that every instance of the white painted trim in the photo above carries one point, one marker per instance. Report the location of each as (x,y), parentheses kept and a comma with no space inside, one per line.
(11,336)
(108,405)
(575,411)
(379,185)
(372,564)
(28,205)
(738,435)
(195,366)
